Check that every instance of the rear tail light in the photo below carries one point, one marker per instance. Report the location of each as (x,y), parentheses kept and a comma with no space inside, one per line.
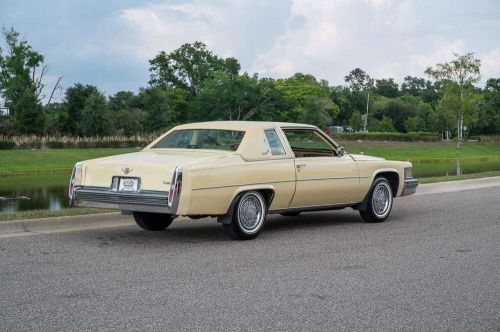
(175,186)
(71,187)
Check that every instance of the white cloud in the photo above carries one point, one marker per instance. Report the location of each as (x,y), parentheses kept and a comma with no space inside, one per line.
(157,27)
(445,53)
(338,35)
(327,38)
(490,64)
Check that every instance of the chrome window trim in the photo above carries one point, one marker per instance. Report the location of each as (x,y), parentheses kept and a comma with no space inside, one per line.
(325,137)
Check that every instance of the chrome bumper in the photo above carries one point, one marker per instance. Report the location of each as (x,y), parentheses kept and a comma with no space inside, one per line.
(143,201)
(410,187)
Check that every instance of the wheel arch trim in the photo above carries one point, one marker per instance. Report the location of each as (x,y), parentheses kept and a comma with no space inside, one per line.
(396,187)
(267,191)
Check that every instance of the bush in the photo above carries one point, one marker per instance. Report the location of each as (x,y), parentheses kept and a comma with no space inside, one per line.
(489,138)
(111,144)
(7,145)
(57,142)
(377,136)
(56,145)
(30,145)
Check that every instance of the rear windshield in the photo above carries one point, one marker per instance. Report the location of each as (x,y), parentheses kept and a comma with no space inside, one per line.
(211,139)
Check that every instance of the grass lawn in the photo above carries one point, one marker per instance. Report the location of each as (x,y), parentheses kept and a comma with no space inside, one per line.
(32,161)
(416,151)
(455,177)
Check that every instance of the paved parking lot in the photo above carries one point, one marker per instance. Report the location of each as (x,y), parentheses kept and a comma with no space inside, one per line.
(434,265)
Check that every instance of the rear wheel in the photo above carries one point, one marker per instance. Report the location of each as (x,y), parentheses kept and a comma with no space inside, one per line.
(249,217)
(153,221)
(379,202)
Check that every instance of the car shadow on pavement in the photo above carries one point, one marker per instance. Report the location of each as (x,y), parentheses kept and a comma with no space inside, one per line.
(194,231)
(277,223)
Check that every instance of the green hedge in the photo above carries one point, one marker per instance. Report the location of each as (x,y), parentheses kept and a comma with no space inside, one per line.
(7,145)
(95,144)
(37,144)
(376,136)
(489,138)
(30,145)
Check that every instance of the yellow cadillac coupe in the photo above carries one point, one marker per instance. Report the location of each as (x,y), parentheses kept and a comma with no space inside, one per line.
(239,172)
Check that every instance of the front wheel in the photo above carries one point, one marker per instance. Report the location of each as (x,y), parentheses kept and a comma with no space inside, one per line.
(379,202)
(248,217)
(153,221)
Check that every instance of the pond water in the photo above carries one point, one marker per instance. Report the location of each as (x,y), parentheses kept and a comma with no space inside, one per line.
(45,191)
(50,191)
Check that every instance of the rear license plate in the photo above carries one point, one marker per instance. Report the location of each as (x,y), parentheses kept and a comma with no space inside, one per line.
(128,184)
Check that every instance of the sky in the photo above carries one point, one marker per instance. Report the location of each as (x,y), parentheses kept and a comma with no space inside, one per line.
(108,43)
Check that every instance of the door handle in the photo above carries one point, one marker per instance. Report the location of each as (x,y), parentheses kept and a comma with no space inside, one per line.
(299,166)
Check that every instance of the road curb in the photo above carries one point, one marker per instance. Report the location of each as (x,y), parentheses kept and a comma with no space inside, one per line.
(459,185)
(63,224)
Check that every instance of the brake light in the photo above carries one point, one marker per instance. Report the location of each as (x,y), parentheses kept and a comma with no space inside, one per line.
(71,187)
(175,185)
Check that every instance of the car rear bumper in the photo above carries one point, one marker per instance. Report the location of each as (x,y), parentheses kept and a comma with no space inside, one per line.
(143,201)
(410,187)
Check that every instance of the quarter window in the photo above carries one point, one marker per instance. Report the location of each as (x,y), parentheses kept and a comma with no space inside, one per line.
(274,141)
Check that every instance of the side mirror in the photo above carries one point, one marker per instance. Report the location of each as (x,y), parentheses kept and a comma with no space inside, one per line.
(340,151)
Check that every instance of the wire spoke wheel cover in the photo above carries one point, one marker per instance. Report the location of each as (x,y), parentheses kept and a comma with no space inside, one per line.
(382,200)
(251,213)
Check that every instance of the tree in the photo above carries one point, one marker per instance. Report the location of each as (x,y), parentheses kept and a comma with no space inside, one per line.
(414,86)
(386,125)
(307,100)
(121,100)
(76,96)
(188,67)
(397,109)
(359,80)
(228,97)
(164,107)
(489,109)
(387,88)
(463,71)
(96,120)
(56,115)
(130,121)
(22,75)
(356,121)
(467,100)
(415,124)
(420,87)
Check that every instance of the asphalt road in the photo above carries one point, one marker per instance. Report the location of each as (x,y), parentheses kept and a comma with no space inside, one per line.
(433,265)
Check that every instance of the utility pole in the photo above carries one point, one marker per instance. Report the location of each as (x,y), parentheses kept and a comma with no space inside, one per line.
(366,116)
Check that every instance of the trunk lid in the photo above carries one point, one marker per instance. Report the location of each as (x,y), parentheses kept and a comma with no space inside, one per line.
(154,167)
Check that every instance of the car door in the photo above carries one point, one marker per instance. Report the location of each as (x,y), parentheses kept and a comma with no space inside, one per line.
(322,176)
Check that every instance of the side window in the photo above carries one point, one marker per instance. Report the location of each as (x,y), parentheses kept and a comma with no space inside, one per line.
(308,143)
(277,148)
